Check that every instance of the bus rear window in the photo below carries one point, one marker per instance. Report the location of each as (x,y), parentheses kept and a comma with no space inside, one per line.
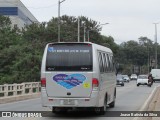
(69,57)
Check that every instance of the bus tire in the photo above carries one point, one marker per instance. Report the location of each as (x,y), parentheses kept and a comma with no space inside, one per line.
(101,110)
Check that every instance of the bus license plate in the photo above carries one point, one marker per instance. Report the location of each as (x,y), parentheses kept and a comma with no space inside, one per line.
(69,102)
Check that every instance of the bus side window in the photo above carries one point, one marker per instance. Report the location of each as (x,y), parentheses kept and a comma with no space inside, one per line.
(109,64)
(105,62)
(113,63)
(100,62)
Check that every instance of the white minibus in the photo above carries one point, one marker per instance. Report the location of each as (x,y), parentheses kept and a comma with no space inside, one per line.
(76,76)
(155,74)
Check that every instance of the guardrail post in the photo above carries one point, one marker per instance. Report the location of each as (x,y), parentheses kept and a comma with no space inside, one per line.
(35,86)
(23,88)
(38,86)
(14,89)
(30,88)
(5,90)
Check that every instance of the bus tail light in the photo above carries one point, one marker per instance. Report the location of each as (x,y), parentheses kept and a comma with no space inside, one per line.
(95,82)
(43,82)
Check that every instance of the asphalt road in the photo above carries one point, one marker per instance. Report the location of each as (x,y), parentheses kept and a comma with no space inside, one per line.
(129,98)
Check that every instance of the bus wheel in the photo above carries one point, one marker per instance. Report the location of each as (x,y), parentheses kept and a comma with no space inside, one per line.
(101,110)
(112,104)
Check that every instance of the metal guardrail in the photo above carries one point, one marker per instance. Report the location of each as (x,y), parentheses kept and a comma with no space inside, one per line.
(7,90)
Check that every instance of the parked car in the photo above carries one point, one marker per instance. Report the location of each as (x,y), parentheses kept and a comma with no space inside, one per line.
(126,78)
(120,80)
(133,77)
(142,80)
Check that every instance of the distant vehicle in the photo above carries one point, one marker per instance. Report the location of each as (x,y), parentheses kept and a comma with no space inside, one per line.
(142,80)
(126,78)
(78,75)
(133,77)
(155,74)
(120,80)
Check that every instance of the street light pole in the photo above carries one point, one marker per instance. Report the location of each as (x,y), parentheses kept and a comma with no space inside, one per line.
(78,29)
(59,21)
(84,25)
(88,35)
(84,32)
(104,24)
(155,44)
(94,29)
(148,60)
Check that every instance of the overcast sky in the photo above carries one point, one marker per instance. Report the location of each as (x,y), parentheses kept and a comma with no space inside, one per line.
(128,19)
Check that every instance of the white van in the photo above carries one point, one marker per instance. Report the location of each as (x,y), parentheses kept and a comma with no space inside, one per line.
(155,74)
(77,75)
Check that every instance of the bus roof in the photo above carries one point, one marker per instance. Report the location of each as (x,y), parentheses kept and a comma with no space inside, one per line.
(97,46)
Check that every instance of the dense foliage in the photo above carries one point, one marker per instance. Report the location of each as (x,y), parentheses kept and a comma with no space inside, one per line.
(21,50)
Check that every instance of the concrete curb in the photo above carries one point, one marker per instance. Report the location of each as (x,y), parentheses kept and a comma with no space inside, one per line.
(149,99)
(146,104)
(9,99)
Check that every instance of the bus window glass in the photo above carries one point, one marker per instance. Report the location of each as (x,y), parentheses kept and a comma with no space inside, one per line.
(104,62)
(69,57)
(109,64)
(100,62)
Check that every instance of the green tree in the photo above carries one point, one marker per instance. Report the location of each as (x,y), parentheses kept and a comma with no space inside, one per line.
(9,38)
(21,50)
(109,42)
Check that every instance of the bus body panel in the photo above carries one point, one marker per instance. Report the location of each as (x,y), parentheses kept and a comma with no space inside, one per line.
(55,89)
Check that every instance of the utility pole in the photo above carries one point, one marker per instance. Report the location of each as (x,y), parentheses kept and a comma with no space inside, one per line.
(155,44)
(78,29)
(59,20)
(148,60)
(84,32)
(88,35)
